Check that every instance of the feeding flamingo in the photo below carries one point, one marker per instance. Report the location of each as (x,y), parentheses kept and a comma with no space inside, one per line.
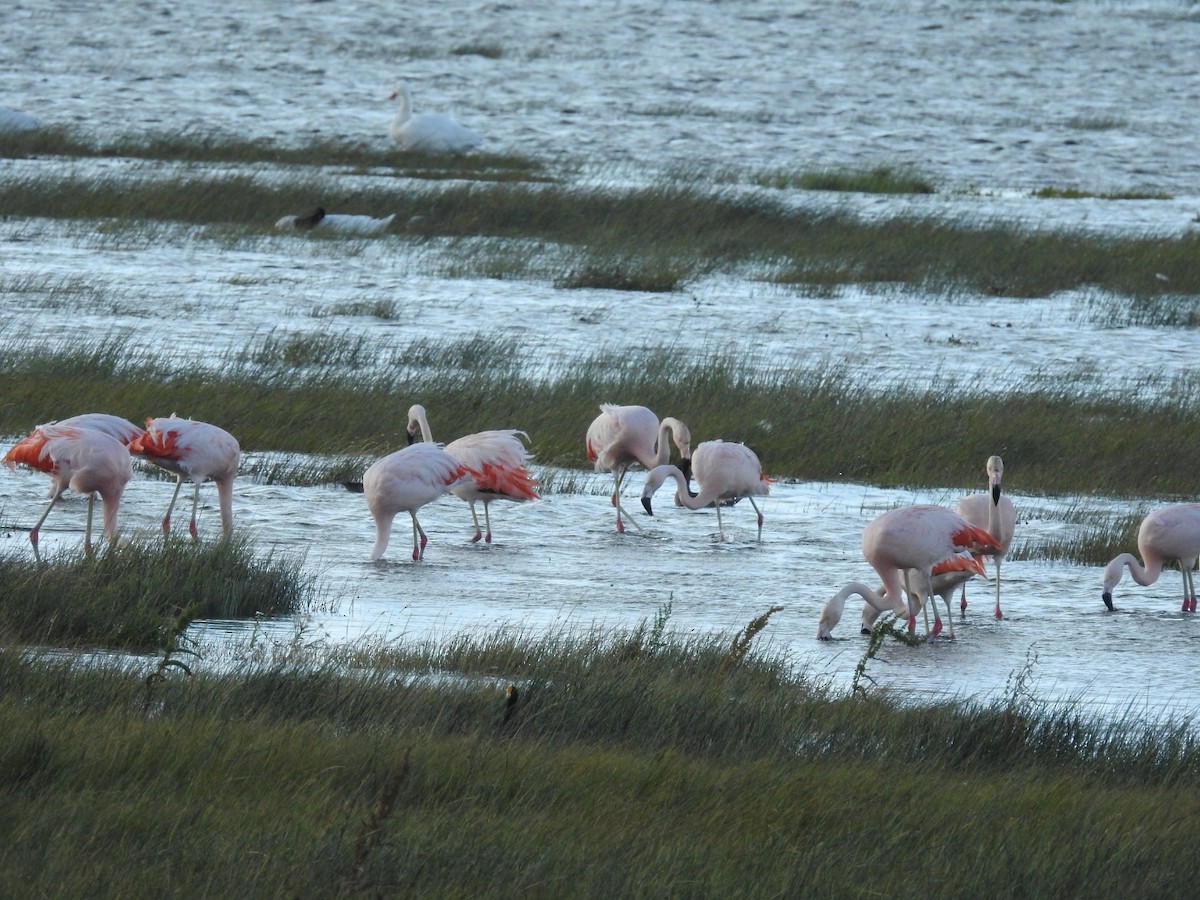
(920,538)
(196,451)
(114,426)
(946,581)
(497,460)
(428,132)
(89,461)
(407,480)
(994,512)
(724,471)
(1172,532)
(622,436)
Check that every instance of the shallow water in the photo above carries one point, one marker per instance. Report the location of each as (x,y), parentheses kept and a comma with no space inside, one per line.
(991,100)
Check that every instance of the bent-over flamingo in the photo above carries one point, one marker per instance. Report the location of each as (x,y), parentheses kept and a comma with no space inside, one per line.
(114,426)
(1172,532)
(428,132)
(88,461)
(945,582)
(724,471)
(919,538)
(196,451)
(996,513)
(497,460)
(622,436)
(407,480)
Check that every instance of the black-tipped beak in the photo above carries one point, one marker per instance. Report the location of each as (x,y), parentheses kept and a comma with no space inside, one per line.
(1107,598)
(995,493)
(412,438)
(685,466)
(646,506)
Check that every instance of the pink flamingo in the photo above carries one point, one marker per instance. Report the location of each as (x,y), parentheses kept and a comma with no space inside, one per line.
(919,538)
(995,513)
(196,451)
(86,460)
(497,460)
(1172,532)
(114,426)
(407,480)
(946,580)
(622,436)
(724,472)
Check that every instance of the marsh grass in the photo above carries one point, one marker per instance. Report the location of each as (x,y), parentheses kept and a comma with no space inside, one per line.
(126,597)
(629,766)
(879,180)
(927,434)
(1053,193)
(661,235)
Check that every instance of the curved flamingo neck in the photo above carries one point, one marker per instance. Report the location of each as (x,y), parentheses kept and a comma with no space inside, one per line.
(1143,575)
(418,413)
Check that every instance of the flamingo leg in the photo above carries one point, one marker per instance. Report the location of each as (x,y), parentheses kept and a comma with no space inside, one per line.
(1189,587)
(760,516)
(475,519)
(487,523)
(166,522)
(720,527)
(419,539)
(195,504)
(33,532)
(962,603)
(87,531)
(999,615)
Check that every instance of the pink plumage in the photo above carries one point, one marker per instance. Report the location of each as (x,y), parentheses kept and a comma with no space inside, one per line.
(498,462)
(197,452)
(996,513)
(405,481)
(724,472)
(1169,533)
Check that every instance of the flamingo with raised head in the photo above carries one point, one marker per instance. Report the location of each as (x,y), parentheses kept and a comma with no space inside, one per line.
(497,459)
(996,513)
(1172,532)
(724,471)
(407,480)
(197,452)
(89,461)
(920,538)
(623,436)
(428,132)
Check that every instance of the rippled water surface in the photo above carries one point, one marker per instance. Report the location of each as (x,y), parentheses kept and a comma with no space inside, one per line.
(992,100)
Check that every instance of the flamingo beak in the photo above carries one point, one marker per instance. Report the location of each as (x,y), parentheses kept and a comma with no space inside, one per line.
(411,437)
(995,493)
(1107,598)
(646,506)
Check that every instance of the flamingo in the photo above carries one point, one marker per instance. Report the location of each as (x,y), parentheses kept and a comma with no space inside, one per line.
(622,436)
(89,461)
(1172,532)
(428,132)
(497,460)
(724,471)
(114,426)
(196,451)
(407,480)
(920,538)
(945,581)
(995,513)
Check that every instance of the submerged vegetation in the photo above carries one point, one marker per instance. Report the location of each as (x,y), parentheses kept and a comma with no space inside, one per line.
(625,763)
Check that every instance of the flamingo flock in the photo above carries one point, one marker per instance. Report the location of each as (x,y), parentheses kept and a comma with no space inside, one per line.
(920,553)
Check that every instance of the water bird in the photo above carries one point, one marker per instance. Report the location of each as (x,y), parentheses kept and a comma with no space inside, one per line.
(995,512)
(429,132)
(114,426)
(1171,532)
(944,583)
(346,223)
(497,460)
(407,480)
(724,472)
(89,461)
(912,540)
(623,436)
(197,452)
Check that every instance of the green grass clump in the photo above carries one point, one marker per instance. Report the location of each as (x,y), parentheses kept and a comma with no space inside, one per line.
(879,180)
(122,597)
(1052,193)
(636,762)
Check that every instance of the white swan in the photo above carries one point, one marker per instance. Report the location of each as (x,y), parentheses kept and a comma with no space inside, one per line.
(343,222)
(428,132)
(12,121)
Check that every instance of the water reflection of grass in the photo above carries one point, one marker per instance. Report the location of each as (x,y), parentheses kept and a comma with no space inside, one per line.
(632,763)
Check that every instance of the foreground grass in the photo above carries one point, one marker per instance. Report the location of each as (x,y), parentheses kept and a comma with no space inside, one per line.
(634,763)
(129,597)
(819,424)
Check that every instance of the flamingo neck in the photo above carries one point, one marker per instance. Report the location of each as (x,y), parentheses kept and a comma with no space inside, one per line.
(418,413)
(1143,575)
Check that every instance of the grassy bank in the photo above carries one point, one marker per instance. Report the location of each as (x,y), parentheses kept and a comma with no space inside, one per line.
(634,763)
(827,424)
(657,237)
(130,597)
